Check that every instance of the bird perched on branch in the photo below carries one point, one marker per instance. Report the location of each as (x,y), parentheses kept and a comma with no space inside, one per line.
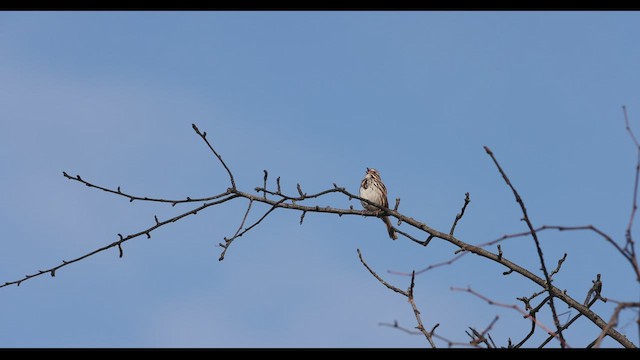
(372,188)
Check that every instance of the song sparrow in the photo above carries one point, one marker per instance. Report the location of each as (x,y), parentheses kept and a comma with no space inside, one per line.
(372,188)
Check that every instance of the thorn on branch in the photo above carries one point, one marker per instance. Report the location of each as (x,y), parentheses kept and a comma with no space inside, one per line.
(395,208)
(300,190)
(78,177)
(119,192)
(500,254)
(278,183)
(53,273)
(302,216)
(120,250)
(507,272)
(148,235)
(156,218)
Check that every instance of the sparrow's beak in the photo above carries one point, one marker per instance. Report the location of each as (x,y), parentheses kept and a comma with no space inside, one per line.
(367,169)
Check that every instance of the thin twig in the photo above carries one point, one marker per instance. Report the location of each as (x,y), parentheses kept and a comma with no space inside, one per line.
(565,326)
(118,243)
(449,343)
(613,321)
(490,326)
(244,218)
(595,289)
(389,286)
(511,306)
(204,137)
(531,331)
(433,266)
(461,214)
(630,245)
(408,294)
(560,262)
(537,243)
(141,198)
(416,312)
(227,242)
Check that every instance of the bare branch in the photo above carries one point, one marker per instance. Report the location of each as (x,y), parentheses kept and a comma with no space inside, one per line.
(239,233)
(535,239)
(408,294)
(565,326)
(528,336)
(244,218)
(119,242)
(629,256)
(595,289)
(630,245)
(490,326)
(449,343)
(461,214)
(389,286)
(626,122)
(433,266)
(555,271)
(613,321)
(141,198)
(416,312)
(204,137)
(514,307)
(280,200)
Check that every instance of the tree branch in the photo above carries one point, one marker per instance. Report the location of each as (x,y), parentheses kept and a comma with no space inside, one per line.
(629,248)
(204,137)
(613,321)
(119,242)
(514,307)
(408,294)
(141,198)
(283,201)
(461,214)
(535,239)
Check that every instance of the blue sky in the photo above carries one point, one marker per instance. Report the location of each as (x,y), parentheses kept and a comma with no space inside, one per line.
(315,98)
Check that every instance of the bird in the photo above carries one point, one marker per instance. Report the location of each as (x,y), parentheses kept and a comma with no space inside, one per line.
(372,188)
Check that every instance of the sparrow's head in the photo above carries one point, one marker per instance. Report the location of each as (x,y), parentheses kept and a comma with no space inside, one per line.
(371,172)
